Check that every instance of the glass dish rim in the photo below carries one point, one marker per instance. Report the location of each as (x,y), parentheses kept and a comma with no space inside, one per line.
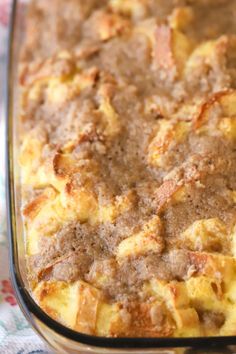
(25,301)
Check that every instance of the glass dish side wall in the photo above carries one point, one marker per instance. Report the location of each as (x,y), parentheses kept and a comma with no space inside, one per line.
(60,338)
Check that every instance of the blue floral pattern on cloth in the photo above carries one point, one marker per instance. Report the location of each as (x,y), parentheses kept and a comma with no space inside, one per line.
(16,336)
(32,352)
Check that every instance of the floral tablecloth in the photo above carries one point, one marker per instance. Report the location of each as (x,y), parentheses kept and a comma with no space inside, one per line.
(16,336)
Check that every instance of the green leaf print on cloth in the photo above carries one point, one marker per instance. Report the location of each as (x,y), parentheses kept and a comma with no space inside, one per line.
(15,326)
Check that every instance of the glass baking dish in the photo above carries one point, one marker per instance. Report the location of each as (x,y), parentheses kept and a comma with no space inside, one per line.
(60,338)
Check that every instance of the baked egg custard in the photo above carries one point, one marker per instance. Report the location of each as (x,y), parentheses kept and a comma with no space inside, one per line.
(128,165)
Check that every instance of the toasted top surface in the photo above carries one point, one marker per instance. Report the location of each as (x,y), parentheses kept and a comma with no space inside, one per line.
(128,164)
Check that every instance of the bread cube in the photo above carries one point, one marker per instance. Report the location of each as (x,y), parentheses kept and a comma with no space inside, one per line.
(147,240)
(205,235)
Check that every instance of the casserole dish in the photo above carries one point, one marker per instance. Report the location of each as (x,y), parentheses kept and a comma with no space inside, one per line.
(62,339)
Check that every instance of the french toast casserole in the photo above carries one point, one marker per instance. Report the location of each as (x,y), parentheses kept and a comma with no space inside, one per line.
(128,165)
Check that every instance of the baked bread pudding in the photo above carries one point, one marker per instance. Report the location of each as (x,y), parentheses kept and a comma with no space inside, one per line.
(128,165)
